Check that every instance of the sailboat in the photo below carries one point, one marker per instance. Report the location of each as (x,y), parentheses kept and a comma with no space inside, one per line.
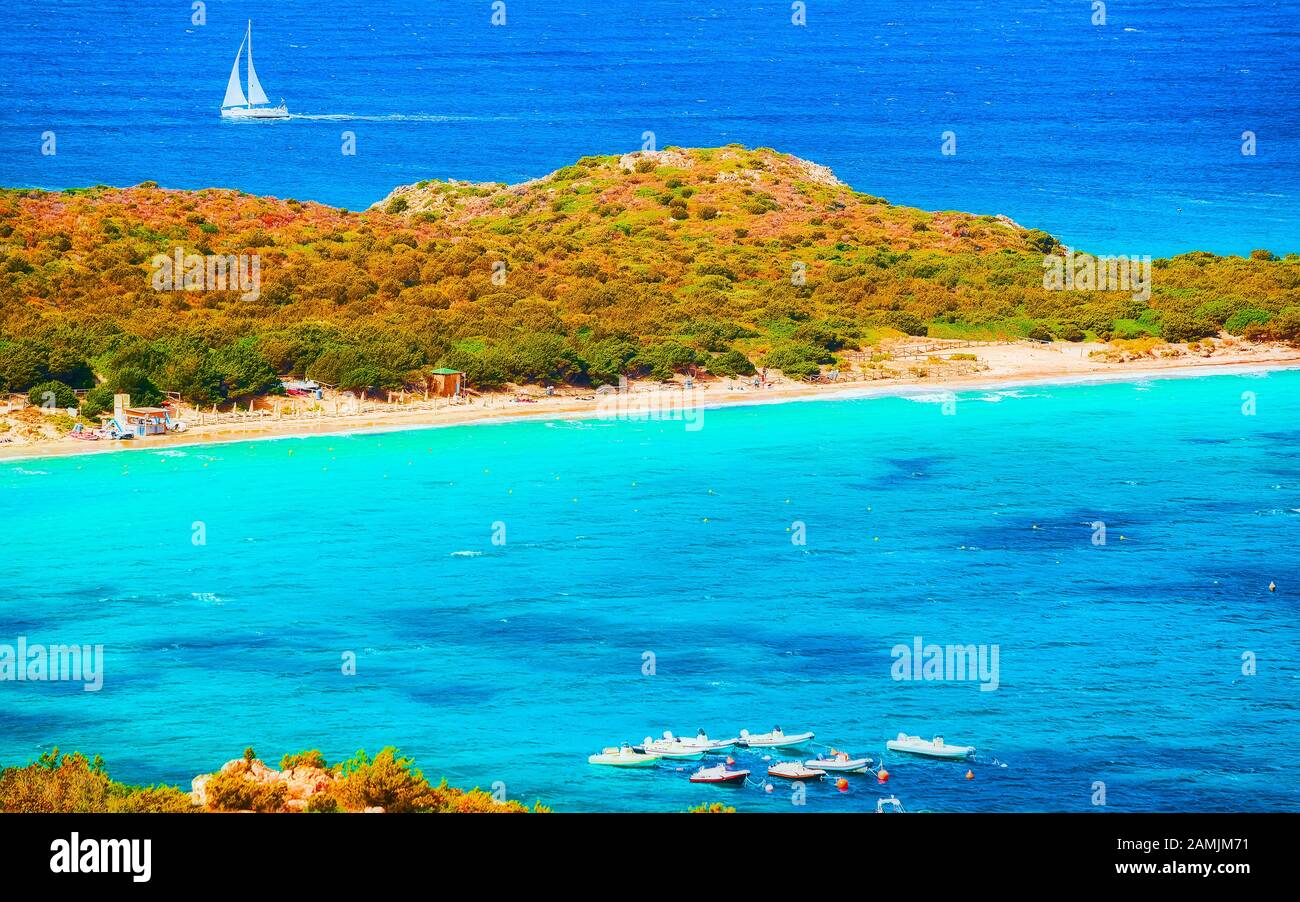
(236,105)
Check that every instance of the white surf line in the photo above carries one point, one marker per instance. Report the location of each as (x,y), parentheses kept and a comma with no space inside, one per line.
(849,393)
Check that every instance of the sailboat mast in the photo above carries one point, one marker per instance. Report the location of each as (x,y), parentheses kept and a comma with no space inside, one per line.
(248,35)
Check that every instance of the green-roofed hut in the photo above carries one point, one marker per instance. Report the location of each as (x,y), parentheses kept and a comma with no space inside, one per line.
(447,383)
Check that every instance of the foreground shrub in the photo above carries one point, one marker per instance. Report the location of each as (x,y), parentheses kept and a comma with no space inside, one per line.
(234,791)
(714,808)
(64,784)
(310,758)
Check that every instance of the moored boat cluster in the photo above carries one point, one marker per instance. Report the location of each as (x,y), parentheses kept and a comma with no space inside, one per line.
(671,748)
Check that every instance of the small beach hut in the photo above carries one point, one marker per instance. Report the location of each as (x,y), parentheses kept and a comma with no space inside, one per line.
(447,383)
(138,421)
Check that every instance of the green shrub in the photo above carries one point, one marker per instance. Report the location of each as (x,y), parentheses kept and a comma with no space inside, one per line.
(907,323)
(1237,323)
(52,394)
(796,360)
(65,784)
(235,791)
(311,758)
(730,363)
(387,781)
(1182,327)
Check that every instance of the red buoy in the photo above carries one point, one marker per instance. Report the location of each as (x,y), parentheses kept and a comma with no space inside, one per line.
(842,784)
(882,775)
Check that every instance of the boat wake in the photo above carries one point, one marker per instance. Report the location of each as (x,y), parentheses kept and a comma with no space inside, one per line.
(388,117)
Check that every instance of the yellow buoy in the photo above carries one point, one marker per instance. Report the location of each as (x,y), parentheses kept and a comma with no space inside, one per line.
(1272,587)
(970,775)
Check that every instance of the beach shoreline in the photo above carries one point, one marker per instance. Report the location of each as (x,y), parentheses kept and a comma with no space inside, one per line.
(1023,367)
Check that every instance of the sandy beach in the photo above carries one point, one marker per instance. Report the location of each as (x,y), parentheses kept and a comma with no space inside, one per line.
(996,366)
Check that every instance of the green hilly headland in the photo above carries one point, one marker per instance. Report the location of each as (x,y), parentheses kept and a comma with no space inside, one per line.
(648,263)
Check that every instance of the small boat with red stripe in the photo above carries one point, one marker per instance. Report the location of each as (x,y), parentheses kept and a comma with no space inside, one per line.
(719,773)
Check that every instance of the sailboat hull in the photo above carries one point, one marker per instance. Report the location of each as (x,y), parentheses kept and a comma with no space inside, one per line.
(263,112)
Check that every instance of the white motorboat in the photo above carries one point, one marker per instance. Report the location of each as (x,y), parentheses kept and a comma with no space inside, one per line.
(930,748)
(622,756)
(254,105)
(841,763)
(671,747)
(774,740)
(794,770)
(712,746)
(719,773)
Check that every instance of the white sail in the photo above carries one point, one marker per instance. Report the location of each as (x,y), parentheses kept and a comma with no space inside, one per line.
(255,92)
(234,93)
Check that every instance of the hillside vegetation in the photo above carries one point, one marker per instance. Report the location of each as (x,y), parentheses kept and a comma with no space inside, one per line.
(645,264)
(58,783)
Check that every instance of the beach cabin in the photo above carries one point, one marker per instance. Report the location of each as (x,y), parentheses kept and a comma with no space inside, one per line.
(138,422)
(447,383)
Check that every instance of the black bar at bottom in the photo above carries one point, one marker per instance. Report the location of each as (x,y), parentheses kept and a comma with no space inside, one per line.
(608,852)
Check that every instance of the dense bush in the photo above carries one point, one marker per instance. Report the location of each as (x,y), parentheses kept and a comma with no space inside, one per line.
(52,394)
(310,758)
(797,360)
(63,784)
(1186,327)
(730,363)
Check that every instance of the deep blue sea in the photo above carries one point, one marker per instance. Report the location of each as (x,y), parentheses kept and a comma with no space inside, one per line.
(1120,138)
(1119,663)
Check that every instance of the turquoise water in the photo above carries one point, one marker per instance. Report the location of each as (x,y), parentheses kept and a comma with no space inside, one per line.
(1118,663)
